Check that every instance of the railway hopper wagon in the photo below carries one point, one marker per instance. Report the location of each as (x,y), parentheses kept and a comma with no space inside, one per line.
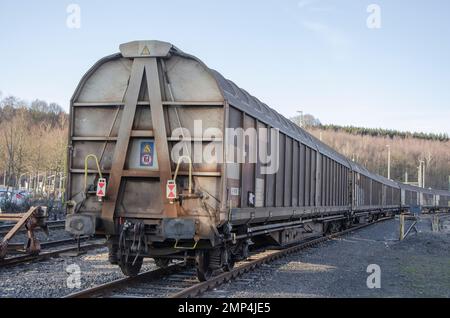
(410,196)
(428,200)
(442,201)
(434,200)
(170,160)
(373,193)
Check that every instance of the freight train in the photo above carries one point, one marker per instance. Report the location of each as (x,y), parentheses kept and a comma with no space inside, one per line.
(169,160)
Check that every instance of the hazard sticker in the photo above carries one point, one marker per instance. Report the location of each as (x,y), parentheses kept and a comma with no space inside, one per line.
(147,153)
(101,187)
(171,190)
(145,51)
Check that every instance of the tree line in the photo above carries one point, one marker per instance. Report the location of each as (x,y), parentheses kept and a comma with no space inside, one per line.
(33,139)
(309,121)
(368,147)
(390,133)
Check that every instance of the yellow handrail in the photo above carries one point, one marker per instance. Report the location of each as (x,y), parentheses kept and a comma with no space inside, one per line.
(190,170)
(86,160)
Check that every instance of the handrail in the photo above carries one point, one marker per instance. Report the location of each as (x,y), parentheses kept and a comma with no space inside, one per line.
(190,171)
(86,160)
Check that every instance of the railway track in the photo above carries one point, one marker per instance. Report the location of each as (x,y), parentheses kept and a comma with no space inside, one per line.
(62,246)
(178,281)
(52,225)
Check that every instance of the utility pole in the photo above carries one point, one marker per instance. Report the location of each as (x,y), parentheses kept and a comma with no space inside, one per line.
(300,118)
(60,184)
(389,161)
(448,183)
(421,175)
(406,177)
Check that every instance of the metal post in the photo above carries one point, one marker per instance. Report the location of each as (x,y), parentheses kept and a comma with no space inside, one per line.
(300,118)
(402,226)
(37,191)
(419,176)
(44,183)
(423,174)
(389,161)
(60,185)
(435,223)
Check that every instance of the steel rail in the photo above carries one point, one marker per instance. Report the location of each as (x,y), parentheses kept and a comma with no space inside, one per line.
(52,225)
(250,264)
(14,246)
(198,288)
(15,260)
(123,282)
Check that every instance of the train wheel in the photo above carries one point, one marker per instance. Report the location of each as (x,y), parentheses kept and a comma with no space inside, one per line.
(162,262)
(128,268)
(228,260)
(204,271)
(112,253)
(347,224)
(326,228)
(229,266)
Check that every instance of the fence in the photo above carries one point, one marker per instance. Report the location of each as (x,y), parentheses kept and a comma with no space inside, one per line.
(18,194)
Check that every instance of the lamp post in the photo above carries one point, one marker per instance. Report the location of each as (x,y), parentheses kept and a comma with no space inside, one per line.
(389,161)
(300,118)
(421,176)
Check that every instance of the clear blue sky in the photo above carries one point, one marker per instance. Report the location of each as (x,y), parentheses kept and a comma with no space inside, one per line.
(318,56)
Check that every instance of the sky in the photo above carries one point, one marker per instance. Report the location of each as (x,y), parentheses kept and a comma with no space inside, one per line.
(346,62)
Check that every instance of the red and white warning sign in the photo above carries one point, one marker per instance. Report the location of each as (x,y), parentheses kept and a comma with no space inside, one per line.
(171,190)
(101,187)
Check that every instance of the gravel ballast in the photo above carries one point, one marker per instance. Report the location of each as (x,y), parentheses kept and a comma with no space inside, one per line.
(49,278)
(419,266)
(416,267)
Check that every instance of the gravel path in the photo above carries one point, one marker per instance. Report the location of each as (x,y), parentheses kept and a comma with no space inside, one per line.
(49,278)
(416,267)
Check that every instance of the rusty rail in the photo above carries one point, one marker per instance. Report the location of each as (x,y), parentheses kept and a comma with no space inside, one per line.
(52,225)
(55,253)
(256,261)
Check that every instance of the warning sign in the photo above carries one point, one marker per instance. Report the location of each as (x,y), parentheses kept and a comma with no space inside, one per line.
(171,190)
(147,153)
(145,51)
(101,187)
